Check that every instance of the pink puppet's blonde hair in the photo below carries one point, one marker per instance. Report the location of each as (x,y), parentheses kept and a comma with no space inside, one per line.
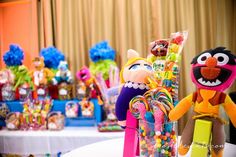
(130,62)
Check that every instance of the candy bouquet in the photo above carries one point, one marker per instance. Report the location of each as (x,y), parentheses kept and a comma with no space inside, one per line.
(34,116)
(157,135)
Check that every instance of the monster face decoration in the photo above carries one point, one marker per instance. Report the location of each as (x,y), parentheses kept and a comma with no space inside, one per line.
(214,69)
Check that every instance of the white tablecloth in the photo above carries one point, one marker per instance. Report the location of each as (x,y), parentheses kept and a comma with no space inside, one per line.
(42,142)
(114,148)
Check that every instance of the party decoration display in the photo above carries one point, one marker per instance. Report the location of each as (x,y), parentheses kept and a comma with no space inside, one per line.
(14,56)
(52,57)
(87,108)
(86,77)
(213,71)
(56,121)
(12,120)
(72,109)
(102,57)
(101,66)
(101,51)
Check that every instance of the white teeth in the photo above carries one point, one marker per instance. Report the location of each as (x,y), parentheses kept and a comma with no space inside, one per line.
(208,83)
(218,82)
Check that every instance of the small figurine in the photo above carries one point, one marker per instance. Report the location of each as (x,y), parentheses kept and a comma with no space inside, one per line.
(85,76)
(63,74)
(41,76)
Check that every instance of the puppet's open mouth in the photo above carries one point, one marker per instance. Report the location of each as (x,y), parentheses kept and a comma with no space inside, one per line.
(222,77)
(83,76)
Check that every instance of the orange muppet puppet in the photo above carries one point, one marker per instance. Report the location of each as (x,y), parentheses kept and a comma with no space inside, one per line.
(213,71)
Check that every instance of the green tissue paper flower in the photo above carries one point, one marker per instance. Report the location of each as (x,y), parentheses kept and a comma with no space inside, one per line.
(102,66)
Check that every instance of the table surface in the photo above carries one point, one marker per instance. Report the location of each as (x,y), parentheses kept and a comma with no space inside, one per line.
(42,142)
(114,148)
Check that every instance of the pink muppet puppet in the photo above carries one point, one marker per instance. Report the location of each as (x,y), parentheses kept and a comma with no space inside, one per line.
(213,71)
(133,76)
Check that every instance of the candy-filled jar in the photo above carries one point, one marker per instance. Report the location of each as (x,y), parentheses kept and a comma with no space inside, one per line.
(158,140)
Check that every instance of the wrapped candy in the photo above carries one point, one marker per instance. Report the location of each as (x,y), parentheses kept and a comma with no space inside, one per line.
(6,81)
(72,109)
(13,120)
(65,91)
(87,108)
(80,90)
(55,121)
(3,111)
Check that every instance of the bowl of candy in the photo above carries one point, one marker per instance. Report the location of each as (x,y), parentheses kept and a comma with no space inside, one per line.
(55,121)
(13,121)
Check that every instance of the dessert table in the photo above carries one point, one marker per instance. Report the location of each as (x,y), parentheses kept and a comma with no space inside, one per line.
(51,142)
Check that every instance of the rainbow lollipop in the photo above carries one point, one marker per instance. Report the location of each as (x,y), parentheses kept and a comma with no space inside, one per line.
(138,106)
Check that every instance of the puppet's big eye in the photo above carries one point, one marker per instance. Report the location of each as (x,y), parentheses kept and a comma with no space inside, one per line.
(134,67)
(203,57)
(222,58)
(148,67)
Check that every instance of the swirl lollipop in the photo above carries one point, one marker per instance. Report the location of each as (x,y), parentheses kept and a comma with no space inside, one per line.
(163,98)
(138,106)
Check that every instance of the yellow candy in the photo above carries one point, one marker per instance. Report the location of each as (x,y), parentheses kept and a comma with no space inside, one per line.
(144,134)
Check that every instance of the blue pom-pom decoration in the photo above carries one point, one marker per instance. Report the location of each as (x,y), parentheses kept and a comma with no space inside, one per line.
(101,51)
(52,57)
(14,56)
